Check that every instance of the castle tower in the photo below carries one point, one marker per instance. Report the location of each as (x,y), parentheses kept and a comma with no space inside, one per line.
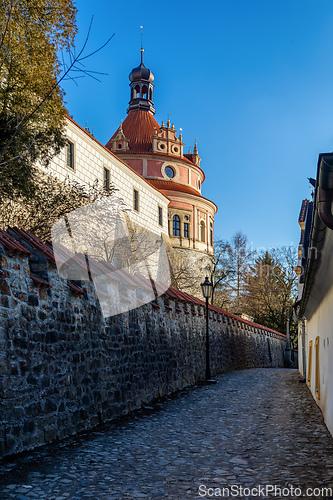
(156,152)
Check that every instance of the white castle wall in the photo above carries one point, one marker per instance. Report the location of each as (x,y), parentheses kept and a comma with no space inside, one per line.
(90,158)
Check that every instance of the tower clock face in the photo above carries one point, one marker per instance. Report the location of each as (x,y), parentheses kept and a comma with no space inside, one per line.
(169,171)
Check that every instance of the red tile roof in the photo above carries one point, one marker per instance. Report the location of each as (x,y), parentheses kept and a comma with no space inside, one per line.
(104,147)
(75,288)
(172,186)
(185,297)
(39,281)
(11,244)
(138,128)
(165,186)
(34,242)
(31,240)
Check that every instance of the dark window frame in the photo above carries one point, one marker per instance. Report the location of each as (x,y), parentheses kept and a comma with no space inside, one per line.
(202,232)
(176,225)
(136,200)
(106,179)
(160,216)
(70,159)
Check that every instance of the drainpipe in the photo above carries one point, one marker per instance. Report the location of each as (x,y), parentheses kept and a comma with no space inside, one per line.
(287,351)
(325,198)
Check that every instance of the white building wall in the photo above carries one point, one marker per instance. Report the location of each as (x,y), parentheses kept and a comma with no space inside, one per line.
(321,324)
(90,158)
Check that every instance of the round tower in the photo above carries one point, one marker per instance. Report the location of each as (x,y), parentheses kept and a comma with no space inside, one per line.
(157,153)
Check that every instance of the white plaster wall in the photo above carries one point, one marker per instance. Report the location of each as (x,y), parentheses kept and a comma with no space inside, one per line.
(321,323)
(90,160)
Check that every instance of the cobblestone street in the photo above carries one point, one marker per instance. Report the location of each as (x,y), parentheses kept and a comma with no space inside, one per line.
(254,427)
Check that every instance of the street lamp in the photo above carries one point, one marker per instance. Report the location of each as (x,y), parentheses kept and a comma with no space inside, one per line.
(207,287)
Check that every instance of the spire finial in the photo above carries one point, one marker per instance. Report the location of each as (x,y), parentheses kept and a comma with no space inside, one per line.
(141,50)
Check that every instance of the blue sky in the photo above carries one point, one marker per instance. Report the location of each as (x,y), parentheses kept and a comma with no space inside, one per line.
(252,80)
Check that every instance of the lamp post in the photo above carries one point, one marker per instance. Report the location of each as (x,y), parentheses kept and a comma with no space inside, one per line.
(288,345)
(207,287)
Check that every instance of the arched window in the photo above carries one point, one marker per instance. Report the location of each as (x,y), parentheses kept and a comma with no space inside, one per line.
(144,92)
(137,92)
(202,231)
(186,230)
(176,225)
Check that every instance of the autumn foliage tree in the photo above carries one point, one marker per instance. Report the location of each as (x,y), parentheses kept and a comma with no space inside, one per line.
(271,288)
(31,102)
(260,285)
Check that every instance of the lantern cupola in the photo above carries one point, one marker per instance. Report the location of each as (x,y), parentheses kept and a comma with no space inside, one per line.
(141,79)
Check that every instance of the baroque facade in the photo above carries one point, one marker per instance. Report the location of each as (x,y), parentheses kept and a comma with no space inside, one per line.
(85,160)
(156,152)
(157,180)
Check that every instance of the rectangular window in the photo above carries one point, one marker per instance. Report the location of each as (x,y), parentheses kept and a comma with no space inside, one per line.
(160,216)
(211,238)
(308,378)
(106,179)
(186,230)
(176,225)
(136,200)
(202,231)
(317,374)
(70,155)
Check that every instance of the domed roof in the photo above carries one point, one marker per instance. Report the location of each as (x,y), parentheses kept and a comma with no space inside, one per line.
(141,73)
(165,186)
(138,128)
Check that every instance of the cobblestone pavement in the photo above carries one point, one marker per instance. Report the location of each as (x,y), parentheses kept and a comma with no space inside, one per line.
(253,428)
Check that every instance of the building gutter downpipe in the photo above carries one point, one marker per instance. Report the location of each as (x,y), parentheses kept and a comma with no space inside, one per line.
(322,218)
(325,198)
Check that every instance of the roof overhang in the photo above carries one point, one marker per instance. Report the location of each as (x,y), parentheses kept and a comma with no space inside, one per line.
(115,157)
(319,267)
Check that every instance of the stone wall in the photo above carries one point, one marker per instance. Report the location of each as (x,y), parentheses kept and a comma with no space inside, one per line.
(64,369)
